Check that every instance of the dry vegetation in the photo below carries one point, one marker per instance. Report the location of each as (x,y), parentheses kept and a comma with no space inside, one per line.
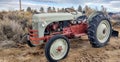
(13,25)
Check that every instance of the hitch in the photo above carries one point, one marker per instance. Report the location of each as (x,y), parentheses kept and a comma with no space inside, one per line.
(115,33)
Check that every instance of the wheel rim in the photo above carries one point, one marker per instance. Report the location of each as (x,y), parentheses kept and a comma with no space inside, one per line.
(58,49)
(103,31)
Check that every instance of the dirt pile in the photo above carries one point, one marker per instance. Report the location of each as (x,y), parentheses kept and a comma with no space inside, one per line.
(81,51)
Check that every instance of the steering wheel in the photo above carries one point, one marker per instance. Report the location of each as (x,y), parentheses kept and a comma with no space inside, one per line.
(70,10)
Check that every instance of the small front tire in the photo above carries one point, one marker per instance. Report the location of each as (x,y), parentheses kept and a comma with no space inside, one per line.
(57,48)
(30,44)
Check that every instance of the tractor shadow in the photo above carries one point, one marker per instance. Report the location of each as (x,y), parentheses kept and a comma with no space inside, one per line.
(81,42)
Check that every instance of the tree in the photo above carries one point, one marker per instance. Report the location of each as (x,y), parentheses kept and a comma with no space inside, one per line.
(63,9)
(80,8)
(72,8)
(86,8)
(42,10)
(104,10)
(54,10)
(29,9)
(35,11)
(49,10)
(58,10)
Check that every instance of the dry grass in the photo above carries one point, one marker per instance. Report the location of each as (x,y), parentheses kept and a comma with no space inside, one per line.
(12,26)
(11,32)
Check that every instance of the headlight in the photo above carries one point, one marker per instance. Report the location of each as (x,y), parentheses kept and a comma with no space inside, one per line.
(44,24)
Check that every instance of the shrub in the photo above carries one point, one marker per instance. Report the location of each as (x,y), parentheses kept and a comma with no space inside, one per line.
(10,31)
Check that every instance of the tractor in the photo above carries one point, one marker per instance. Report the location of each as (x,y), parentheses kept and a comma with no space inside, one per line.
(56,29)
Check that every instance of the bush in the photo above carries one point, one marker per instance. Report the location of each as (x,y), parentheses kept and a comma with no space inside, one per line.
(13,25)
(10,32)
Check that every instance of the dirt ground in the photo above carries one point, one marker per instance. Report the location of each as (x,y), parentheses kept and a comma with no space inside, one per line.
(81,51)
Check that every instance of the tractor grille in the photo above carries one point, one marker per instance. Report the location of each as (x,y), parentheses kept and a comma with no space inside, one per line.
(34,31)
(35,26)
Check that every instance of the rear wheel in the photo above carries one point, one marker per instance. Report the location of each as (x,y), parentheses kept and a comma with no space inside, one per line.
(99,30)
(57,48)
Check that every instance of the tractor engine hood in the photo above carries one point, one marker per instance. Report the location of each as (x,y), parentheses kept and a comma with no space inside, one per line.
(51,17)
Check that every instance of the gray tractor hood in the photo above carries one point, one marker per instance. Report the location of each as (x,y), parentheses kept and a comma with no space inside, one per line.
(51,17)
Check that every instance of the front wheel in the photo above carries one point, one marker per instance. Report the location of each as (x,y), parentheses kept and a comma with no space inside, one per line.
(57,48)
(30,44)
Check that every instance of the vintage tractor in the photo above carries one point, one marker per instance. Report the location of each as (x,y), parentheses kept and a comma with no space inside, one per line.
(55,29)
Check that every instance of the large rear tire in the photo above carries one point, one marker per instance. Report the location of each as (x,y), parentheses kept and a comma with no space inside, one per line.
(57,48)
(99,30)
